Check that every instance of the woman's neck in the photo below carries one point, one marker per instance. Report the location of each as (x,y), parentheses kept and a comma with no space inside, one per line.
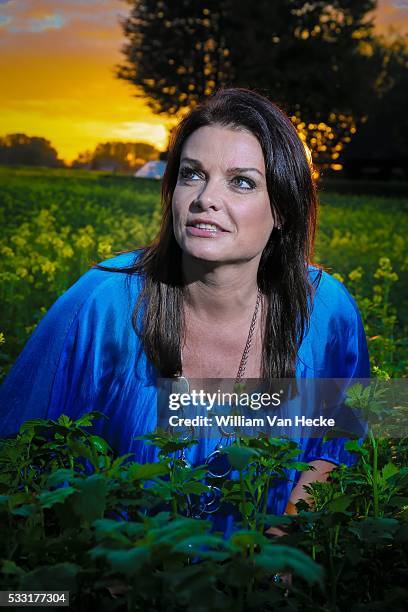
(220,293)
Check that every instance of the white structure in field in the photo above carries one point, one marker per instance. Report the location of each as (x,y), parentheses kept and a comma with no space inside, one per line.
(152,170)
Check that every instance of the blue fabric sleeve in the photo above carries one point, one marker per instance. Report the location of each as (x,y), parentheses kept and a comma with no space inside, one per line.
(348,355)
(28,390)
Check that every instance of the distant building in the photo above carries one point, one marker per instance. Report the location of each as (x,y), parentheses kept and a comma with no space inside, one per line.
(152,170)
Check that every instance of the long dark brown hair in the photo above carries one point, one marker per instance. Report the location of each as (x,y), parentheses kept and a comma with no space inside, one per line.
(283,269)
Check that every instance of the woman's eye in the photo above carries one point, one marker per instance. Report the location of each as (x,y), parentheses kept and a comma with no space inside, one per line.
(188,174)
(243,183)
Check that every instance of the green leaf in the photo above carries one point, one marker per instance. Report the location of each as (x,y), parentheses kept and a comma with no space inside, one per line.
(117,464)
(32,424)
(272,520)
(48,499)
(79,449)
(59,577)
(203,546)
(374,530)
(58,477)
(65,421)
(276,558)
(86,420)
(99,444)
(127,562)
(355,447)
(9,567)
(90,501)
(389,470)
(148,470)
(299,465)
(240,456)
(117,530)
(27,510)
(340,503)
(244,538)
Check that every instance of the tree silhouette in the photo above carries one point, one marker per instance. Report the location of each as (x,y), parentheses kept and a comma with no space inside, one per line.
(176,52)
(380,147)
(117,156)
(314,59)
(22,150)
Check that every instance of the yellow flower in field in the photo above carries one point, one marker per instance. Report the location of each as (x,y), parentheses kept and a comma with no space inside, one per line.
(18,241)
(2,338)
(104,249)
(356,275)
(58,243)
(22,272)
(338,276)
(385,270)
(377,294)
(382,374)
(6,251)
(43,239)
(67,251)
(84,241)
(48,267)
(339,240)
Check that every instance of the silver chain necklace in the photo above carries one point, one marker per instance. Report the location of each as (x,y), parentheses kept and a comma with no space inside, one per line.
(182,385)
(245,354)
(212,503)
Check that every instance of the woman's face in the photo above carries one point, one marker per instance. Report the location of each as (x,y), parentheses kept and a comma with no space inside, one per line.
(221,208)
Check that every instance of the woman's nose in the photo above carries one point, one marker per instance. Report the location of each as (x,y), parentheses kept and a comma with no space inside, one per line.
(209,197)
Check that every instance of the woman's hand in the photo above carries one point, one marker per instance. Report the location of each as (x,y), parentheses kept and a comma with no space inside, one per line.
(286,578)
(320,473)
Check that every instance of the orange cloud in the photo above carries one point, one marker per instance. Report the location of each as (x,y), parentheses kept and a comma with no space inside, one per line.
(392,16)
(59,82)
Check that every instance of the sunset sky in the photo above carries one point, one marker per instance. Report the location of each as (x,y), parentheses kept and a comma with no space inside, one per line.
(57,61)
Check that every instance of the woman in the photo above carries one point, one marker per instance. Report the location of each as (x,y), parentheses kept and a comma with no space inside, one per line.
(226,291)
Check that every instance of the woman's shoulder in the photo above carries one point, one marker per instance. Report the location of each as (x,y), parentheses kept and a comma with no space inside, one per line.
(101,276)
(122,261)
(335,345)
(331,297)
(100,289)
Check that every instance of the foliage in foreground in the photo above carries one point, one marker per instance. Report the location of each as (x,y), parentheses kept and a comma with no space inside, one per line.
(74,517)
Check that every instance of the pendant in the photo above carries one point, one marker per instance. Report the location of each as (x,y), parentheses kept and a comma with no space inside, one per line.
(180,385)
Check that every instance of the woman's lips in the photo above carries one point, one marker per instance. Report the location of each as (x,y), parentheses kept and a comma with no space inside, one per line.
(204,233)
(204,228)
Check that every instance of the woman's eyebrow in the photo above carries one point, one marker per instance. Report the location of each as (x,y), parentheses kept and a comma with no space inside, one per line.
(192,161)
(235,170)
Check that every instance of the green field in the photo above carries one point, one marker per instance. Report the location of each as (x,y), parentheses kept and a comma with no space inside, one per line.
(56,223)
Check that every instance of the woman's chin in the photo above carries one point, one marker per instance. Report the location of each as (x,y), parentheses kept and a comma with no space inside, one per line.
(205,252)
(205,256)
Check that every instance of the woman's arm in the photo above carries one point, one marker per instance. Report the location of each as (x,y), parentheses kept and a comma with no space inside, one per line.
(320,473)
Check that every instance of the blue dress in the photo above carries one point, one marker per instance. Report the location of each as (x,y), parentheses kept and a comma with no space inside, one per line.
(84,355)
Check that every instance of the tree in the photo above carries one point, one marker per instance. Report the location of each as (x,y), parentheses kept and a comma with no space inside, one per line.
(380,147)
(176,52)
(22,150)
(313,58)
(117,156)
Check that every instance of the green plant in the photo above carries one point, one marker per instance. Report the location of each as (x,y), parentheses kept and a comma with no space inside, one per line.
(75,515)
